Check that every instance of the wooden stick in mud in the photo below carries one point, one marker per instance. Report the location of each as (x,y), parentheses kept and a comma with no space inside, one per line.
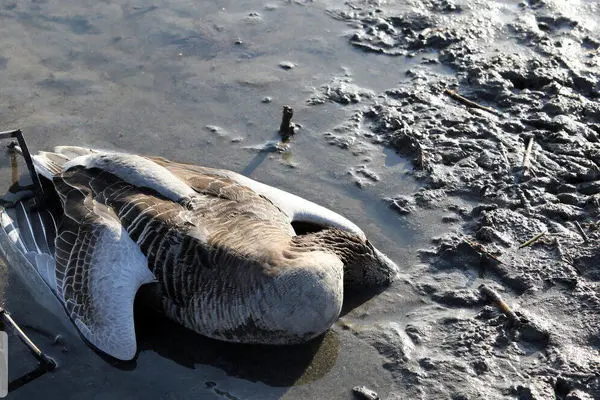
(532,240)
(527,157)
(468,102)
(582,232)
(559,248)
(286,129)
(504,155)
(479,248)
(493,296)
(524,201)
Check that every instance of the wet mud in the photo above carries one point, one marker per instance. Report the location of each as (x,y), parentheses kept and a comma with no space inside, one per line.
(534,70)
(453,193)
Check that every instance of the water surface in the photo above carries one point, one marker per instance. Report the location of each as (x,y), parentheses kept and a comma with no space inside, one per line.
(157,77)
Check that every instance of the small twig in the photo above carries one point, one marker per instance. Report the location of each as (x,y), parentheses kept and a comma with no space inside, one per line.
(582,232)
(365,393)
(518,189)
(493,296)
(559,248)
(504,155)
(468,102)
(527,157)
(532,240)
(479,248)
(524,201)
(286,129)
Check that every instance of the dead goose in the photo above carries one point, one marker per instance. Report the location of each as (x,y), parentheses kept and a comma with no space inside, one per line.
(220,246)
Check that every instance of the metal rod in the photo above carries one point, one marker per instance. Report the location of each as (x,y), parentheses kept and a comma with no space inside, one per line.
(8,134)
(17,134)
(44,359)
(29,161)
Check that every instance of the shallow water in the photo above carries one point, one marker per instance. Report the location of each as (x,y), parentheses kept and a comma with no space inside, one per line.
(149,77)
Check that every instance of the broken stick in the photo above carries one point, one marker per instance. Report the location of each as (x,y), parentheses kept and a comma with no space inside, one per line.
(494,297)
(479,248)
(532,240)
(527,157)
(504,155)
(582,232)
(468,102)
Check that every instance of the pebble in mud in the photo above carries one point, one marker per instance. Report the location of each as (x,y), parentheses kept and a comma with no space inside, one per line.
(450,219)
(217,130)
(287,65)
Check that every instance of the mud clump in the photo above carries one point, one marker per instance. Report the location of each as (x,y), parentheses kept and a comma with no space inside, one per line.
(340,90)
(402,204)
(528,162)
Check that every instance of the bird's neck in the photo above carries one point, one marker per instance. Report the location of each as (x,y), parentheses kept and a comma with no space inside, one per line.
(334,240)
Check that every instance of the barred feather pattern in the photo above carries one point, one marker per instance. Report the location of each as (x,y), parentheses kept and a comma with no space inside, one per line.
(224,254)
(219,257)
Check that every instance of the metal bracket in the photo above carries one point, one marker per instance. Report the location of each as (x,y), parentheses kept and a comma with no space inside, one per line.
(45,363)
(44,360)
(17,134)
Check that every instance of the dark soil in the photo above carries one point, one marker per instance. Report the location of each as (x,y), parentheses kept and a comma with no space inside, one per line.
(536,66)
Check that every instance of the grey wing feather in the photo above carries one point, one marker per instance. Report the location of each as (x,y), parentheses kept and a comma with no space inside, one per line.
(99,270)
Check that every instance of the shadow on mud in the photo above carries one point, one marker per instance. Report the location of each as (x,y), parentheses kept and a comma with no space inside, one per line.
(276,366)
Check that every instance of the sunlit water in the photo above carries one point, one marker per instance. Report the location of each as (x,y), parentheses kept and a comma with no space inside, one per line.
(149,77)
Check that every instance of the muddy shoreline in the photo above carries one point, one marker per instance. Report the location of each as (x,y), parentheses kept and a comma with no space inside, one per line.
(442,187)
(533,71)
